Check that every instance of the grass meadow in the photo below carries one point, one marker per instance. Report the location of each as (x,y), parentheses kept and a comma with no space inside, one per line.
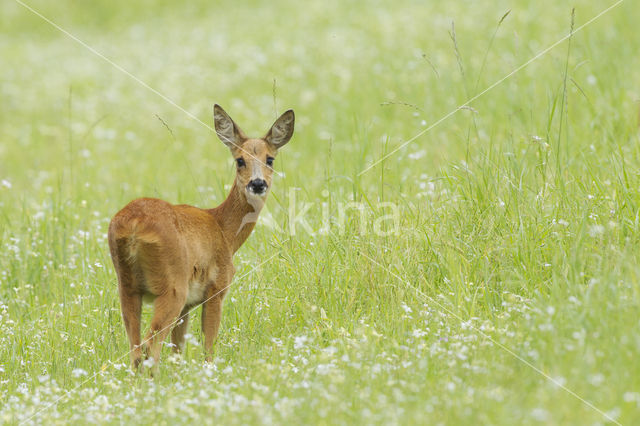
(487,272)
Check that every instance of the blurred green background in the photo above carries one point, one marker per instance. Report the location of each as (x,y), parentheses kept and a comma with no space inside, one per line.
(519,215)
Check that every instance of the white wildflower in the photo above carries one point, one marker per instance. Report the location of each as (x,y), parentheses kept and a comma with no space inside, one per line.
(330,350)
(540,414)
(417,155)
(102,401)
(406,308)
(300,342)
(596,379)
(324,369)
(148,363)
(77,372)
(418,333)
(559,381)
(596,230)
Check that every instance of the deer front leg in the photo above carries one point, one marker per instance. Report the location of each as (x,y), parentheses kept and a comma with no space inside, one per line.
(211,315)
(179,330)
(212,308)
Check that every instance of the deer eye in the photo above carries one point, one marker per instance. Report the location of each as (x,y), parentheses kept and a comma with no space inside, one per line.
(269,161)
(240,162)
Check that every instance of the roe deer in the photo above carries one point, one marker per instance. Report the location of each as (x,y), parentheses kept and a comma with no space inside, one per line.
(180,255)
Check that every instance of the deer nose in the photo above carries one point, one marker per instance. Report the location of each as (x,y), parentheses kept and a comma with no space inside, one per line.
(258,186)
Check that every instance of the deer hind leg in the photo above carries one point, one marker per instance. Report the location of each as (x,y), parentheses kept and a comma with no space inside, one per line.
(178,332)
(130,301)
(166,310)
(131,304)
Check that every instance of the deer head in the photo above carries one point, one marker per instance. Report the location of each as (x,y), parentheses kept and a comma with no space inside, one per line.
(254,157)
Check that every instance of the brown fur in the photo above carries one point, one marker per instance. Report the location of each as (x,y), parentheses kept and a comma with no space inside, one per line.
(172,253)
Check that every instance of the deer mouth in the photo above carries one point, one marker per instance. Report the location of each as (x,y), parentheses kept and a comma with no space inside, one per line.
(258,187)
(258,193)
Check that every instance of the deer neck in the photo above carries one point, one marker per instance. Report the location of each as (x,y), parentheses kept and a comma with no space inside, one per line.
(237,216)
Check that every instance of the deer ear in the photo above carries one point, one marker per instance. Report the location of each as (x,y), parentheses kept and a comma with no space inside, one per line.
(282,130)
(226,129)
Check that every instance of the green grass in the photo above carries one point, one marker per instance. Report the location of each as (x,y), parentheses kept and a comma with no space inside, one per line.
(519,223)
